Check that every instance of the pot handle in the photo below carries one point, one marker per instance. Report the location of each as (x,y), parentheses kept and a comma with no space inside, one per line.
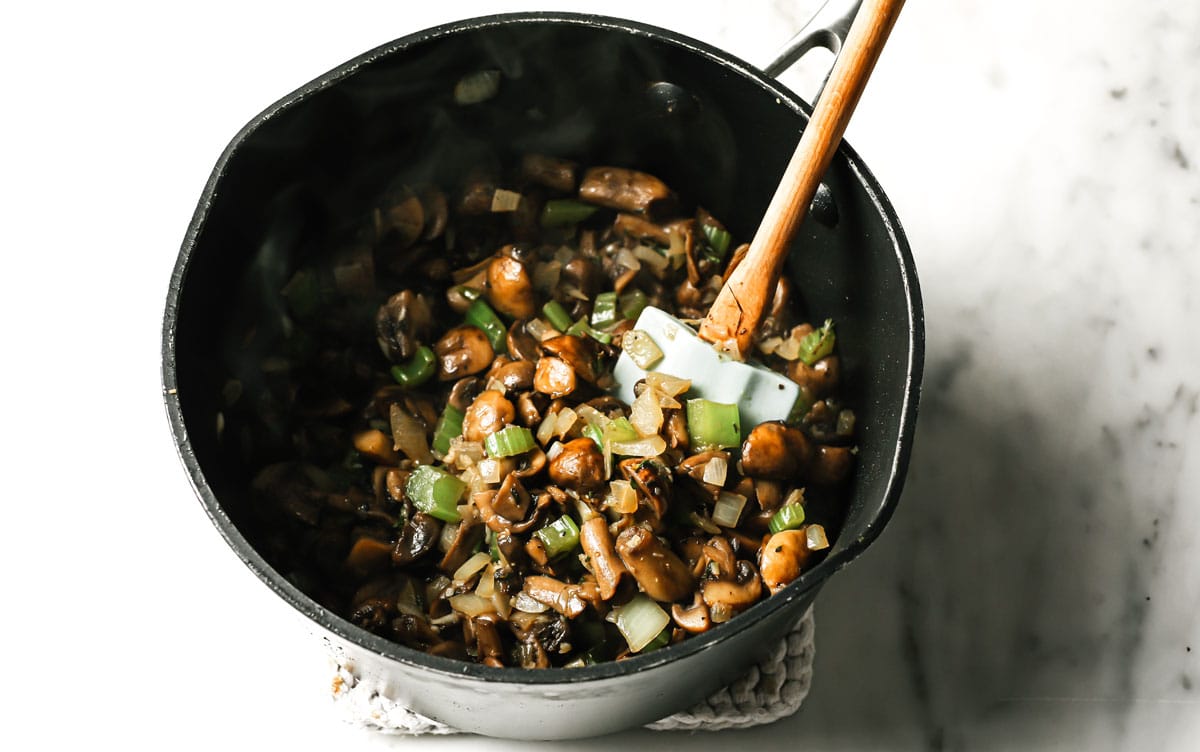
(827,28)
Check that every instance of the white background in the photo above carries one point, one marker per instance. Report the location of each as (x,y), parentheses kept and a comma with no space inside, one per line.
(128,622)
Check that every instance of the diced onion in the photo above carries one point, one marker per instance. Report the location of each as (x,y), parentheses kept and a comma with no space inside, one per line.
(657,262)
(640,621)
(469,604)
(795,496)
(503,603)
(627,260)
(408,436)
(641,348)
(527,603)
(546,430)
(471,566)
(477,87)
(650,446)
(715,471)
(703,523)
(624,497)
(770,344)
(505,200)
(728,509)
(487,582)
(669,385)
(566,419)
(646,416)
(555,449)
(814,538)
(489,470)
(540,330)
(789,349)
(446,540)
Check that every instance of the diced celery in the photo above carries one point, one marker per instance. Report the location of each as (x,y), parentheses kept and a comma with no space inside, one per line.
(565,211)
(416,370)
(557,315)
(818,343)
(713,425)
(604,310)
(631,303)
(718,241)
(481,316)
(509,441)
(448,426)
(559,537)
(789,517)
(435,492)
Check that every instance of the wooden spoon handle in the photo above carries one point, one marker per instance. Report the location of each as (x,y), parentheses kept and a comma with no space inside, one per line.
(733,320)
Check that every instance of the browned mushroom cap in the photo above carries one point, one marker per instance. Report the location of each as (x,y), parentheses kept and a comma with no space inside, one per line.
(487,414)
(530,407)
(401,323)
(417,538)
(602,555)
(554,377)
(830,464)
(511,500)
(653,479)
(736,593)
(624,189)
(552,172)
(467,537)
(782,558)
(515,376)
(509,287)
(521,344)
(821,378)
(368,555)
(579,466)
(464,392)
(720,555)
(462,351)
(487,639)
(659,572)
(774,450)
(565,599)
(693,618)
(640,228)
(579,352)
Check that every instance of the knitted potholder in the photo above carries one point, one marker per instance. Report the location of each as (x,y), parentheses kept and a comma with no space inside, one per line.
(771,690)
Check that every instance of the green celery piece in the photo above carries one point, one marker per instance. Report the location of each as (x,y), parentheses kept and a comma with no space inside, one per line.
(818,343)
(416,370)
(713,425)
(595,434)
(789,517)
(559,212)
(509,441)
(604,310)
(448,427)
(559,537)
(718,241)
(435,492)
(631,303)
(621,430)
(481,316)
(557,315)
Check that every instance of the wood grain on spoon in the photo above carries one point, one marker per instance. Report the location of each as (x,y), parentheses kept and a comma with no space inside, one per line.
(734,317)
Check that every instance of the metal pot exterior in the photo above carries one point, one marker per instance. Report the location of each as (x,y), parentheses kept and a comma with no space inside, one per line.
(591,88)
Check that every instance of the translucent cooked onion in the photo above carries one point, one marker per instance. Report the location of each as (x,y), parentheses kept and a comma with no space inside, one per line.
(527,603)
(567,418)
(545,430)
(471,566)
(672,386)
(657,262)
(715,471)
(489,470)
(446,540)
(624,498)
(555,449)
(814,538)
(728,509)
(471,605)
(639,621)
(650,446)
(477,87)
(646,416)
(408,436)
(487,582)
(505,200)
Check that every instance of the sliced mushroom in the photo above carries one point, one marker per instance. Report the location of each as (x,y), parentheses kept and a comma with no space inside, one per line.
(579,466)
(598,544)
(400,218)
(579,352)
(653,479)
(552,172)
(468,536)
(521,344)
(464,392)
(437,212)
(462,351)
(693,618)
(558,595)
(511,500)
(584,275)
(487,640)
(624,189)
(509,288)
(377,445)
(417,538)
(775,451)
(830,464)
(734,594)
(641,228)
(515,376)
(368,555)
(531,407)
(554,377)
(490,412)
(658,570)
(821,378)
(401,323)
(782,558)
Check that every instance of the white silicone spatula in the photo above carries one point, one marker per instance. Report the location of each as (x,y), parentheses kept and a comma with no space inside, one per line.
(714,358)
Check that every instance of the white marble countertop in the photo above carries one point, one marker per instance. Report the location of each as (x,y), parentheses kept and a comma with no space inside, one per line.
(1039,585)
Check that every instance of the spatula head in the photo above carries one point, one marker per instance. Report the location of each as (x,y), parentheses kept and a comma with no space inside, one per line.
(760,393)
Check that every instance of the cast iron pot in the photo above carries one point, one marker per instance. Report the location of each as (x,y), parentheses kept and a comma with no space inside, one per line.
(601,91)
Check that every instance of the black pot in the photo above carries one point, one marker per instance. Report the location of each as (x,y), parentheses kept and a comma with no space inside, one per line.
(582,86)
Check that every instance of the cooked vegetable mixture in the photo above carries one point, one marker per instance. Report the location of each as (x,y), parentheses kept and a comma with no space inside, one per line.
(448,470)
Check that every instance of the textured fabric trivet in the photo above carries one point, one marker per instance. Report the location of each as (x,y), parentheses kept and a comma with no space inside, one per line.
(771,690)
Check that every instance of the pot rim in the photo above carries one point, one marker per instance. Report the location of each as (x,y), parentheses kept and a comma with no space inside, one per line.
(343,629)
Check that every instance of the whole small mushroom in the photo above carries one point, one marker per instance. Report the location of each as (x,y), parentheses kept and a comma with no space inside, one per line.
(462,351)
(579,466)
(782,558)
(490,412)
(401,323)
(509,287)
(775,451)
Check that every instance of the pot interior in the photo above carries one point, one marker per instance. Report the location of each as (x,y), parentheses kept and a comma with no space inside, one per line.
(589,89)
